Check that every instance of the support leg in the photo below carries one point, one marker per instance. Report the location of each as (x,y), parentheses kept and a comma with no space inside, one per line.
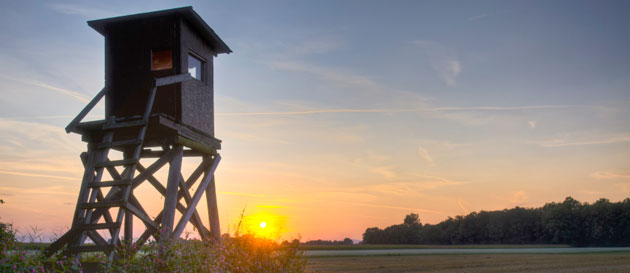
(170,201)
(213,212)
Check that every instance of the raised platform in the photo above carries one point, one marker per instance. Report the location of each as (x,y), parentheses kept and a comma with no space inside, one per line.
(161,130)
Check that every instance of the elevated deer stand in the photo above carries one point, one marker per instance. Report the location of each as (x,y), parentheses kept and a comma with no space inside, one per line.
(159,108)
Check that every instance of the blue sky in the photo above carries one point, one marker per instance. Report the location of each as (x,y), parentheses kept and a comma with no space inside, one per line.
(363,110)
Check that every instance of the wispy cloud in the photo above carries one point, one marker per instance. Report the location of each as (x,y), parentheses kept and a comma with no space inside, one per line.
(385,171)
(252,138)
(393,207)
(271,207)
(69,93)
(32,149)
(39,175)
(563,142)
(425,154)
(610,175)
(477,17)
(443,144)
(460,203)
(532,124)
(52,190)
(80,10)
(410,188)
(68,117)
(242,194)
(443,60)
(427,109)
(449,70)
(312,47)
(487,14)
(508,108)
(518,197)
(328,74)
(308,112)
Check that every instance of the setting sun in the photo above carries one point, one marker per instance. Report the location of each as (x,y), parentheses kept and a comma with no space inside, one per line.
(265,225)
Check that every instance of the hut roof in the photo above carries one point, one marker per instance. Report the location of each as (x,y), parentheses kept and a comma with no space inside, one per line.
(187,13)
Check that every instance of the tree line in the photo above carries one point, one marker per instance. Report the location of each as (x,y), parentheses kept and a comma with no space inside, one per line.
(346,241)
(602,223)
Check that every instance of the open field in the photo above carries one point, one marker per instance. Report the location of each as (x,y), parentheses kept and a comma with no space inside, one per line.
(591,262)
(456,250)
(363,247)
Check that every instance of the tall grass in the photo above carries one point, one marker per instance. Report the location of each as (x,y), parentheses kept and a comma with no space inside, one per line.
(238,253)
(244,253)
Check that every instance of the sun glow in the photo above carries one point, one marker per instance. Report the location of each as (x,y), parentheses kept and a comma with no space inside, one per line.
(265,225)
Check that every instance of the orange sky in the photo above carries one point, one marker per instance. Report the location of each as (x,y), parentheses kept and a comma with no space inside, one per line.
(333,126)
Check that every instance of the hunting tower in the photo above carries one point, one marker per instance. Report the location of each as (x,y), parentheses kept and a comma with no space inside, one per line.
(158,108)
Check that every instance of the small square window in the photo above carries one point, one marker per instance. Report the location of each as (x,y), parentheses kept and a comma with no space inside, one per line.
(195,67)
(161,60)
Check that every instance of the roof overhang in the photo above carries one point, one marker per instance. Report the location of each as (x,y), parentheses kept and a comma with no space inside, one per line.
(187,13)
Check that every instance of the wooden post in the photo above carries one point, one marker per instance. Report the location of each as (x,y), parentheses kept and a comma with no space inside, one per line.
(213,212)
(172,187)
(128,228)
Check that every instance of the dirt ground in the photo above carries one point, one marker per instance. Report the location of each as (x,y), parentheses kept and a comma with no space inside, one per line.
(590,262)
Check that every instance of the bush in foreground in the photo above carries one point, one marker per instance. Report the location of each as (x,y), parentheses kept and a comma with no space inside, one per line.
(235,254)
(243,253)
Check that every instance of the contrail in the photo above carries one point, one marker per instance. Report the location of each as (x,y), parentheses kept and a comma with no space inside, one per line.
(435,109)
(75,95)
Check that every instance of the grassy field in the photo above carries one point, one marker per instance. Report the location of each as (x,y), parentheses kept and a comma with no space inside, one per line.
(596,262)
(361,247)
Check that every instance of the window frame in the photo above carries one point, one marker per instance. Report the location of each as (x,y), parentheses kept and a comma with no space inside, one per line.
(203,62)
(164,69)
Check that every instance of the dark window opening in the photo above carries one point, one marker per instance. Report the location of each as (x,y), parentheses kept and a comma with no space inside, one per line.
(195,67)
(161,60)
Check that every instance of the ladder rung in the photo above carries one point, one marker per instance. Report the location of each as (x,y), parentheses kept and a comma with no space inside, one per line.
(90,248)
(102,204)
(121,162)
(119,143)
(133,123)
(111,183)
(98,226)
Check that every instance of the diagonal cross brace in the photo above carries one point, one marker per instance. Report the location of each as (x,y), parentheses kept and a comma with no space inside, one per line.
(193,203)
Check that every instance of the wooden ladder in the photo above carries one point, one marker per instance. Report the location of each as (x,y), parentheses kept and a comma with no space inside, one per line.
(91,200)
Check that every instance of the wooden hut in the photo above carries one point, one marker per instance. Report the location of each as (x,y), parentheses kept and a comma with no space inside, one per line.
(158,105)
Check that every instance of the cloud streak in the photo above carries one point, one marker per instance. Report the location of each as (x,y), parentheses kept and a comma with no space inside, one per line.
(241,194)
(610,175)
(83,11)
(566,143)
(393,207)
(68,93)
(424,154)
(55,190)
(429,109)
(39,175)
(328,74)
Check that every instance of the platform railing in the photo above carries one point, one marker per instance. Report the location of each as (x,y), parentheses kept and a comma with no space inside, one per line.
(156,83)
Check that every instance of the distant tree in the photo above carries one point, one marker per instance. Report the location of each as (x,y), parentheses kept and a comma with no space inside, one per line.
(412,219)
(569,222)
(374,235)
(562,222)
(346,241)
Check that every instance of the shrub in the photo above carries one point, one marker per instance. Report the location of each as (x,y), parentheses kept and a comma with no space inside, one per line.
(234,254)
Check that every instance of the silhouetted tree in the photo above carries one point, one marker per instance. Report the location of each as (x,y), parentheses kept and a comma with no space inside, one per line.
(568,222)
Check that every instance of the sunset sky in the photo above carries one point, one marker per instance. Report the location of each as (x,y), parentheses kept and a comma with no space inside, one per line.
(337,116)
